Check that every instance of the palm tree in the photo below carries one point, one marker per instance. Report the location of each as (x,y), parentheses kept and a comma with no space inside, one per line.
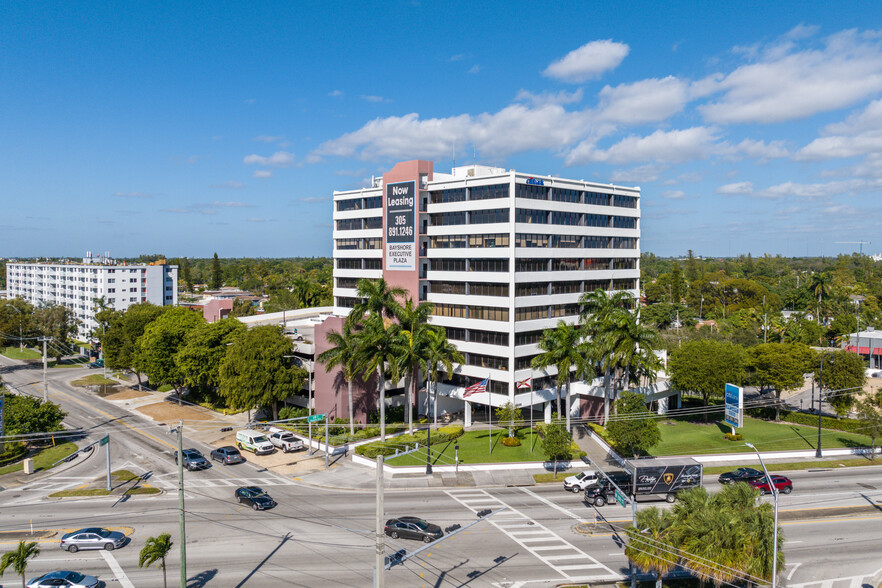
(156,549)
(439,351)
(342,354)
(563,348)
(18,559)
(649,542)
(409,342)
(630,345)
(375,353)
(820,285)
(377,298)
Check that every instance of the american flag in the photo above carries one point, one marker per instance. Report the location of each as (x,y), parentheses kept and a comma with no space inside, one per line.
(525,383)
(476,388)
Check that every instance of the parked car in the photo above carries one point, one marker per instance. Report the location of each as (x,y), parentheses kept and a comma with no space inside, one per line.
(413,528)
(254,496)
(580,481)
(64,579)
(98,363)
(92,538)
(740,475)
(285,440)
(782,483)
(193,460)
(254,441)
(227,455)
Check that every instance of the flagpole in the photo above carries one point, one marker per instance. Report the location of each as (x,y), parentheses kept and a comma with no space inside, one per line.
(531,414)
(489,415)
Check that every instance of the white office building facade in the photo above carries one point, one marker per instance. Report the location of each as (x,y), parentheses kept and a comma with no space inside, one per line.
(78,285)
(501,254)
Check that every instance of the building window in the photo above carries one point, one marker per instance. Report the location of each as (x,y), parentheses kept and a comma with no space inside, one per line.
(625,284)
(373,243)
(344,244)
(596,263)
(531,313)
(531,265)
(487,361)
(624,242)
(447,218)
(624,222)
(565,241)
(532,216)
(374,222)
(624,201)
(497,240)
(448,265)
(447,287)
(349,224)
(488,313)
(565,310)
(565,265)
(347,302)
(528,338)
(488,289)
(563,195)
(597,198)
(565,218)
(343,263)
(566,287)
(489,192)
(531,289)
(487,337)
(452,310)
(597,220)
(347,283)
(373,202)
(454,195)
(595,242)
(373,264)
(627,263)
(496,215)
(531,191)
(352,204)
(448,242)
(455,333)
(488,265)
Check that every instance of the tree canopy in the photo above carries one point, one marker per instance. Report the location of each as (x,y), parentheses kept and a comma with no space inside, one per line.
(158,346)
(705,367)
(633,429)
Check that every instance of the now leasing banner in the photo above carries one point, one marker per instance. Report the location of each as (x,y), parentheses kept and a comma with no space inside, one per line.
(401,226)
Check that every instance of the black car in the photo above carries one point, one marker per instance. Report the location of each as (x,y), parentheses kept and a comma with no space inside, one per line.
(740,475)
(257,498)
(193,459)
(413,528)
(227,455)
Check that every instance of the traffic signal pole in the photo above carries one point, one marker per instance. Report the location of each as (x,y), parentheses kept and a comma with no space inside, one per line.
(183,540)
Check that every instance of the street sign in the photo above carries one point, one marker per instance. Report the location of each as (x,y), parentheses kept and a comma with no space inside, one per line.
(104,440)
(619,498)
(734,411)
(315,418)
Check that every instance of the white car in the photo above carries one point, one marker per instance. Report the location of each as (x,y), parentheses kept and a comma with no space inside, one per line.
(285,440)
(64,579)
(580,481)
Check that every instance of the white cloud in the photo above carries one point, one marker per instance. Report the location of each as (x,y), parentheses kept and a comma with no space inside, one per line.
(474,69)
(817,191)
(787,84)
(859,134)
(644,173)
(762,150)
(372,98)
(736,189)
(229,185)
(588,61)
(262,173)
(132,195)
(543,98)
(646,101)
(269,138)
(218,204)
(277,159)
(206,208)
(676,146)
(458,57)
(335,93)
(673,194)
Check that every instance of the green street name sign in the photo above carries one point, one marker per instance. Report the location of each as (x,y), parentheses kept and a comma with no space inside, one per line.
(619,498)
(315,418)
(104,441)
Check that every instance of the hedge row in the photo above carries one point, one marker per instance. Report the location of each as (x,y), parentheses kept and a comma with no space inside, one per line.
(801,418)
(404,442)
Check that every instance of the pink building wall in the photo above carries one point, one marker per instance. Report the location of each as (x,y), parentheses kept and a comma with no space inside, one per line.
(217,308)
(331,392)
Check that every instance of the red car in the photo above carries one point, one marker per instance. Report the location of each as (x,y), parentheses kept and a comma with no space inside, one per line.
(783,484)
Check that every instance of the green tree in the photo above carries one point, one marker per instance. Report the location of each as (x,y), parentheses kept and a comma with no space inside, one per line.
(18,558)
(157,348)
(650,545)
(629,347)
(342,354)
(156,549)
(26,414)
(256,372)
(676,284)
(511,414)
(409,342)
(377,297)
(375,353)
(704,367)
(844,374)
(870,413)
(58,322)
(440,352)
(820,285)
(556,441)
(186,279)
(242,308)
(124,329)
(781,366)
(633,428)
(199,357)
(16,320)
(563,349)
(217,275)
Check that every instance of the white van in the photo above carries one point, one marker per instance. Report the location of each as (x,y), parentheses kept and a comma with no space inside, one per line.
(254,441)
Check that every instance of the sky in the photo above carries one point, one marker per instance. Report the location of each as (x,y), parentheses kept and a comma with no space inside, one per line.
(201,127)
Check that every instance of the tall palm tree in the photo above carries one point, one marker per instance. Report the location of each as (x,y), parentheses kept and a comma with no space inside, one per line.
(377,298)
(563,348)
(18,558)
(375,353)
(156,549)
(630,345)
(649,542)
(821,285)
(439,352)
(342,354)
(409,342)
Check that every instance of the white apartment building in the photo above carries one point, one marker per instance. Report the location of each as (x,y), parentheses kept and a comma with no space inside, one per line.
(502,255)
(78,285)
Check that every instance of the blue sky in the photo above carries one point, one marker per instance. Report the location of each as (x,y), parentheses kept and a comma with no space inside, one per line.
(190,128)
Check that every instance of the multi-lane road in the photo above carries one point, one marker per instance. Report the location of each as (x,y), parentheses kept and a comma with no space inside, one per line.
(832,522)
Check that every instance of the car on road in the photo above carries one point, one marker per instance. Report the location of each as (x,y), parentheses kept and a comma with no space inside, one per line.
(413,528)
(227,455)
(98,363)
(64,579)
(740,475)
(285,440)
(783,484)
(92,538)
(193,459)
(255,497)
(580,481)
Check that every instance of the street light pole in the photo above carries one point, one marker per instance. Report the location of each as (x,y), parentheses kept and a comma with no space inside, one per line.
(774,492)
(820,396)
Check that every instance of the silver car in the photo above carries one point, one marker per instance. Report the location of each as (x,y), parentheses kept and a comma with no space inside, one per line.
(92,538)
(64,579)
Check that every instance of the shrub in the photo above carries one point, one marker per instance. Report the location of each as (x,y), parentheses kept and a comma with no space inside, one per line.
(448,433)
(576,451)
(511,441)
(292,412)
(372,450)
(735,437)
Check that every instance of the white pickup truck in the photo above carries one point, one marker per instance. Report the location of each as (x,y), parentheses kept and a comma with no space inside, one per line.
(284,440)
(580,481)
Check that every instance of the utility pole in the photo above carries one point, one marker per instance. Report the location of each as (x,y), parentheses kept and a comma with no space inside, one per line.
(327,440)
(380,561)
(183,540)
(820,397)
(45,386)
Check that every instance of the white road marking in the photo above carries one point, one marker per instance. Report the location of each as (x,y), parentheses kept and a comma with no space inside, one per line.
(790,575)
(117,569)
(570,514)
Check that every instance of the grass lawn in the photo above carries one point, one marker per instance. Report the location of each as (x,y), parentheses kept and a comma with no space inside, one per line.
(93,380)
(12,352)
(44,458)
(474,447)
(686,438)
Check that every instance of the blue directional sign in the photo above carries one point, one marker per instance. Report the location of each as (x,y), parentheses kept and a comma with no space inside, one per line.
(734,413)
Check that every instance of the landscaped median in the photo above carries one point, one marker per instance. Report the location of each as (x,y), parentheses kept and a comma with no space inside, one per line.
(43,458)
(123,483)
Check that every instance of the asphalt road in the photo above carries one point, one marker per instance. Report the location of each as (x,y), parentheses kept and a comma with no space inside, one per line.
(319,537)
